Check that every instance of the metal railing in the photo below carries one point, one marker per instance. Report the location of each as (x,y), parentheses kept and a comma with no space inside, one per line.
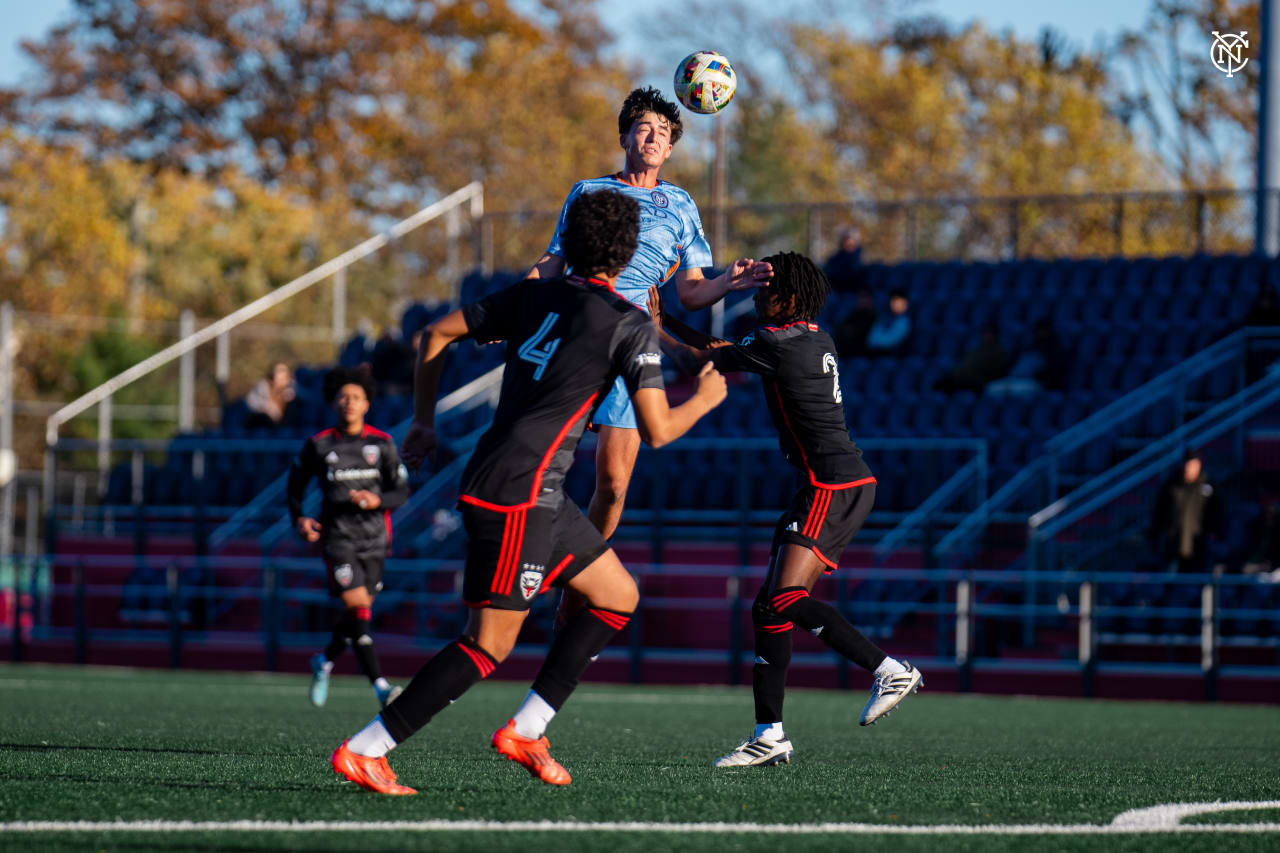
(1100,624)
(1136,223)
(1038,484)
(471,195)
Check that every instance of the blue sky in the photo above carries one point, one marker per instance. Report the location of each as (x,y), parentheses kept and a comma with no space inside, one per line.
(1083,22)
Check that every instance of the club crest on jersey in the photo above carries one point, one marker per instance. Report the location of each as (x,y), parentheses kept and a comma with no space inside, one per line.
(660,198)
(343,574)
(371,453)
(331,458)
(530,580)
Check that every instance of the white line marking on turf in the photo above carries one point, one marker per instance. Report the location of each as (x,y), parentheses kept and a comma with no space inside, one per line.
(1170,815)
(606,826)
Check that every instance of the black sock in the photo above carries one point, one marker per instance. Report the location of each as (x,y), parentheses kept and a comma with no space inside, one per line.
(440,681)
(340,638)
(585,636)
(362,645)
(794,603)
(769,675)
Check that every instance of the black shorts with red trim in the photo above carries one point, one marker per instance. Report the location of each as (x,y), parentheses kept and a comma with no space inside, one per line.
(825,519)
(348,567)
(513,555)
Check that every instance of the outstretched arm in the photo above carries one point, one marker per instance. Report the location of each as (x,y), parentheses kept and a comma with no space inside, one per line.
(696,291)
(420,441)
(659,424)
(688,348)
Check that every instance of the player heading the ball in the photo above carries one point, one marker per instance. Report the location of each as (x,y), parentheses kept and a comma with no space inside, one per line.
(567,339)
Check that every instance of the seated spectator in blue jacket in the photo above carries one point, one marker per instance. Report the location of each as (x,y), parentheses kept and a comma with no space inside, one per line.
(889,334)
(844,268)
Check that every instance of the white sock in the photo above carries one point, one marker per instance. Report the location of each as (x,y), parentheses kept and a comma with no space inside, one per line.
(382,685)
(889,666)
(770,731)
(327,666)
(373,741)
(532,718)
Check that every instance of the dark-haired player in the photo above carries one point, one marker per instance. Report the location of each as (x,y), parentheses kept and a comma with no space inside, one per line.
(567,339)
(361,480)
(671,245)
(797,363)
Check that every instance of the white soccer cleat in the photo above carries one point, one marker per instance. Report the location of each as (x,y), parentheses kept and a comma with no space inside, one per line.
(757,752)
(888,691)
(319,691)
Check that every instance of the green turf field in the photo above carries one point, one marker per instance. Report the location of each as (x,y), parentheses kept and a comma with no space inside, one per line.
(107,745)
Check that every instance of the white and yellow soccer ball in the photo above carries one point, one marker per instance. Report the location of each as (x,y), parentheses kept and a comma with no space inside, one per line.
(705,82)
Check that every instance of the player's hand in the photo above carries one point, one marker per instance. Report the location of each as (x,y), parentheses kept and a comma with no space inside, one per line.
(366,499)
(655,306)
(748,273)
(419,444)
(711,385)
(309,529)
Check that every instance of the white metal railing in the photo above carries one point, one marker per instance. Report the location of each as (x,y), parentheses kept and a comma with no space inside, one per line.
(472,193)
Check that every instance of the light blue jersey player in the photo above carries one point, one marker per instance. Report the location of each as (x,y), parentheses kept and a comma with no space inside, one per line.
(671,240)
(671,247)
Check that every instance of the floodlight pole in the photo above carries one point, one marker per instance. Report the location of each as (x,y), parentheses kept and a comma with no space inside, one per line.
(1267,200)
(719,201)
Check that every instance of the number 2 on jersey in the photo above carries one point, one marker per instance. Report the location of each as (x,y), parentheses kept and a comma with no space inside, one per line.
(537,352)
(829,366)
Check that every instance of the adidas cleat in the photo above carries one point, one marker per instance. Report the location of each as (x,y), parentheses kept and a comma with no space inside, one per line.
(372,774)
(388,696)
(532,755)
(319,681)
(757,752)
(888,691)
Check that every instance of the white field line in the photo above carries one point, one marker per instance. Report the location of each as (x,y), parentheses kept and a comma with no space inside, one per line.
(437,826)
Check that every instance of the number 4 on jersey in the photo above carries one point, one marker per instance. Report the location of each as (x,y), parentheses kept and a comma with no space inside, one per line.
(537,352)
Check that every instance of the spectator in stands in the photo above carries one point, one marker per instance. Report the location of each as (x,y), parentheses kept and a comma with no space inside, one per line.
(844,268)
(269,401)
(890,335)
(1041,366)
(1264,311)
(985,363)
(1263,554)
(851,331)
(1186,515)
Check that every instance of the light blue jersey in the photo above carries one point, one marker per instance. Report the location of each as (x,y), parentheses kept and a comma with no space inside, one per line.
(671,235)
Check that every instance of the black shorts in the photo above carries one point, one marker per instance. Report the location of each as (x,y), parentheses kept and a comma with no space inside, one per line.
(349,567)
(825,520)
(513,556)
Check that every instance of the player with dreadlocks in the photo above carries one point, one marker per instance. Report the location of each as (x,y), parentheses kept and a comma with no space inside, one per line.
(797,363)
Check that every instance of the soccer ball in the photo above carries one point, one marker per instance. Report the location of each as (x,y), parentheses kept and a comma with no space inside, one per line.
(705,82)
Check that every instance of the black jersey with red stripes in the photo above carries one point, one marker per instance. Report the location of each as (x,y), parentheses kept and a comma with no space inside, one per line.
(343,463)
(568,339)
(798,364)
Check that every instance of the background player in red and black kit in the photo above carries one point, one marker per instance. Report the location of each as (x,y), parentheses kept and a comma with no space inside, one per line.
(568,339)
(361,479)
(797,363)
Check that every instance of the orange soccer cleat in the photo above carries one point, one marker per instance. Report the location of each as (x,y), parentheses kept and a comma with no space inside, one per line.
(372,774)
(532,755)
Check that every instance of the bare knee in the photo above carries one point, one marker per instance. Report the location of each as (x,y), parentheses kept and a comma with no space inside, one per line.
(622,596)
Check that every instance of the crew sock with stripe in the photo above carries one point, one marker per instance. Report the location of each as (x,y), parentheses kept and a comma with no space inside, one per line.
(825,622)
(444,678)
(588,631)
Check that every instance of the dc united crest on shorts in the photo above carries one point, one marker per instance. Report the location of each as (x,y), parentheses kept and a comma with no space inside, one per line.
(343,574)
(530,580)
